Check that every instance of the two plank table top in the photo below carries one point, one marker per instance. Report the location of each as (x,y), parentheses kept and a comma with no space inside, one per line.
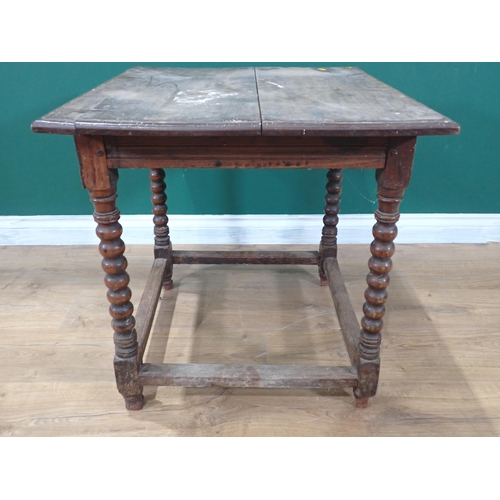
(160,118)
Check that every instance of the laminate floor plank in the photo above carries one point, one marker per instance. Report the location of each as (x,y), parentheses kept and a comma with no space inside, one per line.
(440,366)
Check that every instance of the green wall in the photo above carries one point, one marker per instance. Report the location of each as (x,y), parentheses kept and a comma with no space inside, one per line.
(452,174)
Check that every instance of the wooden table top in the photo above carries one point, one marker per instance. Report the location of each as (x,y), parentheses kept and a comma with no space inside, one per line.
(335,101)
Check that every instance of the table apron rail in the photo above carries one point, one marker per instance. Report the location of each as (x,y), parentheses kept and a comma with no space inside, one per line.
(250,159)
(217,155)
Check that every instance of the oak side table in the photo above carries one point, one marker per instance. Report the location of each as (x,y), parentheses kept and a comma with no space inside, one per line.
(329,118)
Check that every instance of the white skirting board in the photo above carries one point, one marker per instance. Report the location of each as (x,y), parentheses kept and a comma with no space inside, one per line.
(248,229)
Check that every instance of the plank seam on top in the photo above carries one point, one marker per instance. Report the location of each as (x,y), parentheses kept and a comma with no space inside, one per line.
(258,100)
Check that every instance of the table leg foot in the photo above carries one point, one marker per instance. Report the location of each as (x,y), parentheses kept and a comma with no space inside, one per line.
(134,403)
(361,403)
(168,285)
(323,282)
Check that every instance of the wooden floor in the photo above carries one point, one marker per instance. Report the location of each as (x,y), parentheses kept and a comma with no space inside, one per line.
(440,349)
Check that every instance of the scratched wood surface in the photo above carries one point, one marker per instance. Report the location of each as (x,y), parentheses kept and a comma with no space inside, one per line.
(163,100)
(224,101)
(340,101)
(440,348)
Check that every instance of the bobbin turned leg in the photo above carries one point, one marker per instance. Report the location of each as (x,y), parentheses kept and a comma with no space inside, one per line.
(392,181)
(101,184)
(328,244)
(117,279)
(163,246)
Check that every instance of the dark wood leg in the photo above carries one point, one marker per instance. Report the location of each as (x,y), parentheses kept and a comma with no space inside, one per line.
(117,279)
(328,244)
(392,181)
(380,264)
(163,246)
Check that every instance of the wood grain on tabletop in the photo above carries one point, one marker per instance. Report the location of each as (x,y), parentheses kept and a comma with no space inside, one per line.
(264,101)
